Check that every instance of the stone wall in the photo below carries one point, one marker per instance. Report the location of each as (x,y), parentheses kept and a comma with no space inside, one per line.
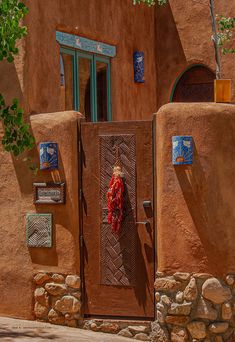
(194,307)
(57,298)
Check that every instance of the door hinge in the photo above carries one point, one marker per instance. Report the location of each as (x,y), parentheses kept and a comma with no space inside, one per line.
(80,194)
(81,241)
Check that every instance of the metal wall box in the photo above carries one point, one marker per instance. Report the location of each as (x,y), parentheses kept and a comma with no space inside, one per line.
(39,230)
(49,193)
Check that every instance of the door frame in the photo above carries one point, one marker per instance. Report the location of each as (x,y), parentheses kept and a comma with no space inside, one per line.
(81,235)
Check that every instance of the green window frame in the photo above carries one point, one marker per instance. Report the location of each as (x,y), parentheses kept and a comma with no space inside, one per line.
(93,58)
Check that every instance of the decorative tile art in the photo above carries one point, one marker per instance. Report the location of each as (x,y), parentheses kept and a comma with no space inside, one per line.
(39,230)
(48,156)
(182,150)
(85,44)
(118,252)
(138,57)
(49,193)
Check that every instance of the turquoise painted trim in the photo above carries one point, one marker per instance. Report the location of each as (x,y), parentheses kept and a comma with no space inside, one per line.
(109,98)
(93,81)
(75,85)
(182,73)
(89,57)
(85,44)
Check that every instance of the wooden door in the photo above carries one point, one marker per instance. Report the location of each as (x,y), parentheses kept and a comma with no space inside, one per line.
(195,85)
(118,270)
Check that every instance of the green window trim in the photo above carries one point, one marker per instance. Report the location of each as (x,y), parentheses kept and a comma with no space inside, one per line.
(93,60)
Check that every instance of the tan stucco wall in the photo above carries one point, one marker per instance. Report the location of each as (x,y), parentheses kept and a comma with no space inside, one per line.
(195,205)
(183,36)
(18,263)
(36,72)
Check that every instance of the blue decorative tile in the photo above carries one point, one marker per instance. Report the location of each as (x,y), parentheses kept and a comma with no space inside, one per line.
(182,150)
(138,59)
(48,156)
(85,44)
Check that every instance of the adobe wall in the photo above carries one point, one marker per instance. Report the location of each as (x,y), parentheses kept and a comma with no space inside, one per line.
(35,77)
(183,35)
(195,204)
(18,263)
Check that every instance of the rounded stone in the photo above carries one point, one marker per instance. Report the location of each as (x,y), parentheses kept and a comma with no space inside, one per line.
(205,310)
(179,334)
(197,330)
(182,276)
(230,279)
(167,284)
(58,278)
(40,310)
(41,296)
(226,311)
(157,296)
(55,289)
(55,317)
(218,327)
(180,309)
(160,317)
(159,333)
(67,304)
(135,329)
(94,327)
(166,300)
(73,281)
(213,290)
(191,292)
(177,320)
(141,337)
(77,294)
(111,328)
(125,333)
(179,297)
(41,278)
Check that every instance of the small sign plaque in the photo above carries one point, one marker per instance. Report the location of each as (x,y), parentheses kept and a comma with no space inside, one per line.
(49,193)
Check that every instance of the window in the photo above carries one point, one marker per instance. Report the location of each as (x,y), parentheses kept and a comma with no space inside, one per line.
(86,84)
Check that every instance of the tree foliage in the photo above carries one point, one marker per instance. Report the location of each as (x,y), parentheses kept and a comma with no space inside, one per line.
(226,28)
(17,136)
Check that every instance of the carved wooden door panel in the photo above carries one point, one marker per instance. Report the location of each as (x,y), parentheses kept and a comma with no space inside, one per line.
(118,269)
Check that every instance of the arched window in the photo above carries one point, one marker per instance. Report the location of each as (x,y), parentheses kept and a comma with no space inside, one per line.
(196,84)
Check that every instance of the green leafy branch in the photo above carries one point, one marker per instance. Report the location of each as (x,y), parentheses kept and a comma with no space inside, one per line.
(17,137)
(16,134)
(226,30)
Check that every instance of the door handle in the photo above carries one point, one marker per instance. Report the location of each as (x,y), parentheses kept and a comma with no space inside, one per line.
(145,223)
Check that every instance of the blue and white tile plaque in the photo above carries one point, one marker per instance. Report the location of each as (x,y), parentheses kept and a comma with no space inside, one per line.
(48,156)
(182,150)
(138,59)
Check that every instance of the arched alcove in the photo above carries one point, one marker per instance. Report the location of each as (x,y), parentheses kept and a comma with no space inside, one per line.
(196,84)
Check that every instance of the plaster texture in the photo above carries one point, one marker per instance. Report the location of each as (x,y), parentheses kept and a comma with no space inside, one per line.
(195,204)
(35,75)
(18,263)
(183,36)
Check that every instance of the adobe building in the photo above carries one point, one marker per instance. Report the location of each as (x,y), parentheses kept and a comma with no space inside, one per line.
(169,273)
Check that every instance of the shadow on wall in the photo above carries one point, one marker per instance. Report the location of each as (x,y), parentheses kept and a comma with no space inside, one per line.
(63,214)
(170,57)
(210,212)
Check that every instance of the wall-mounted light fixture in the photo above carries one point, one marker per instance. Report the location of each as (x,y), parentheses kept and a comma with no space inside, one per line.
(138,59)
(182,150)
(48,156)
